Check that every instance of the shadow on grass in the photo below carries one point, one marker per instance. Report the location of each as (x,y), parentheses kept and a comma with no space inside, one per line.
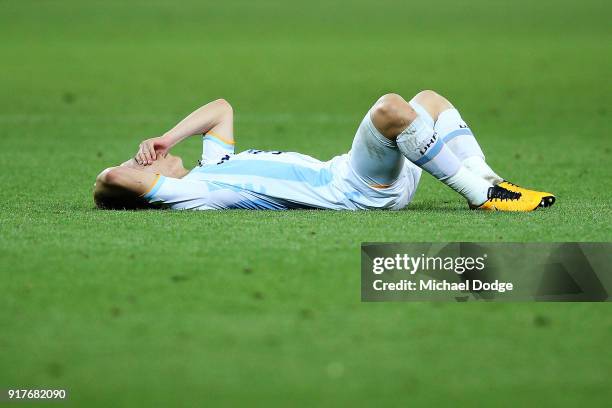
(422,206)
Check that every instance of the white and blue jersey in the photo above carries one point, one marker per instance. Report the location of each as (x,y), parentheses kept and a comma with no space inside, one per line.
(373,175)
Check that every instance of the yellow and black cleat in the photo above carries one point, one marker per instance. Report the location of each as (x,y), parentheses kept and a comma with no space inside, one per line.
(546,199)
(502,199)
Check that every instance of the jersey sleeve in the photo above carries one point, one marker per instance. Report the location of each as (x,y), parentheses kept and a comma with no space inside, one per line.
(174,193)
(214,147)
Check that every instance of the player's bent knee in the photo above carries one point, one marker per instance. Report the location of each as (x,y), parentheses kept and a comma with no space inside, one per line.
(433,102)
(391,114)
(428,95)
(390,109)
(224,105)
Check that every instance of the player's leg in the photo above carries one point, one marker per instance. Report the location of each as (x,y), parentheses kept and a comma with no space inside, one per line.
(399,123)
(219,141)
(415,137)
(454,131)
(374,157)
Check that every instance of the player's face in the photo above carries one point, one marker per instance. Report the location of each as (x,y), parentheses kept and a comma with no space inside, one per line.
(169,166)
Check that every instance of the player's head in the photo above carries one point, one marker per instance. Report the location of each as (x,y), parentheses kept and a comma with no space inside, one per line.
(112,198)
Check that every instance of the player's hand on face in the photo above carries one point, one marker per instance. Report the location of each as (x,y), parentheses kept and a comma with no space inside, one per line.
(150,150)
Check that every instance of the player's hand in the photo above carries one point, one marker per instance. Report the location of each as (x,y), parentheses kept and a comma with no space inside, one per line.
(150,149)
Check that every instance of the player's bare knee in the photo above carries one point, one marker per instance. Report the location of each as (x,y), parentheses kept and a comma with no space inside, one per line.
(224,105)
(433,102)
(391,114)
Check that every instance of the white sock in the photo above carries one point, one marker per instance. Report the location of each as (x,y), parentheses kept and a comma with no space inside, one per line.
(460,139)
(473,187)
(422,146)
(478,166)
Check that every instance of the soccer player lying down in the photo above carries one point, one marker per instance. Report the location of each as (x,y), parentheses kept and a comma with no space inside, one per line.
(394,142)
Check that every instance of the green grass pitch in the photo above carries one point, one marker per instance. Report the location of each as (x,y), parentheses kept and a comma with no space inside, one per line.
(263,308)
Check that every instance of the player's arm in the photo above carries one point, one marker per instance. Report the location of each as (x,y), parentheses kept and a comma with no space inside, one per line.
(123,187)
(215,117)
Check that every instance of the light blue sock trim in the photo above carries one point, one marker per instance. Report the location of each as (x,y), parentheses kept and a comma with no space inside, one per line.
(458,132)
(430,154)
